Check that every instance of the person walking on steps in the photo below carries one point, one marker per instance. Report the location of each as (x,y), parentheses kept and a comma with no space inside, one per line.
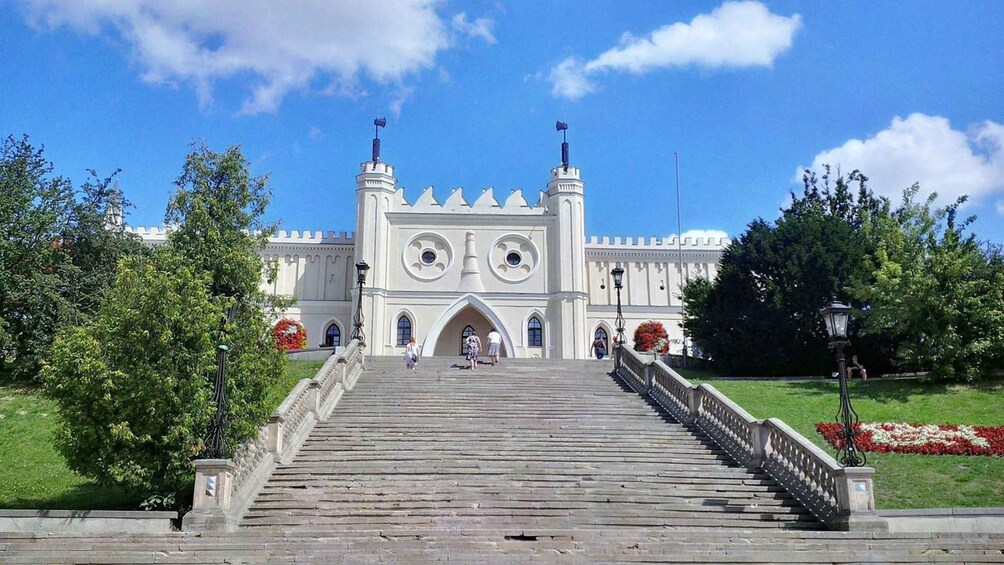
(599,347)
(411,354)
(494,344)
(473,349)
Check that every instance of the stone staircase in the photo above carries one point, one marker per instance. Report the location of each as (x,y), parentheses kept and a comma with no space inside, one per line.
(528,444)
(531,461)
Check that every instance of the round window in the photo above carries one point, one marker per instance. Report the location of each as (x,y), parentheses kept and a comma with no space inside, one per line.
(428,256)
(513,258)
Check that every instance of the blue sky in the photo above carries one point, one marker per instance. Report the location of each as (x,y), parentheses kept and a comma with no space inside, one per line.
(747,93)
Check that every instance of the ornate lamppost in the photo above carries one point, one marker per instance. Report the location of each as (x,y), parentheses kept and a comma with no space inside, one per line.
(357,320)
(215,443)
(836,316)
(618,274)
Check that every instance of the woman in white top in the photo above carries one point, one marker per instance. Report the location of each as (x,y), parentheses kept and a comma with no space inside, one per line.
(494,344)
(411,354)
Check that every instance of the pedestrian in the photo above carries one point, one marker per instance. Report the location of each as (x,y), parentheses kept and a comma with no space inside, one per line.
(473,349)
(411,354)
(494,344)
(857,367)
(599,347)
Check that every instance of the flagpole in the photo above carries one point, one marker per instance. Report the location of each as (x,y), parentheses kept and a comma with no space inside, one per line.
(679,247)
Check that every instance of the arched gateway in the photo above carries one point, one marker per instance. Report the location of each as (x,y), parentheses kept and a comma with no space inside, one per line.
(467,310)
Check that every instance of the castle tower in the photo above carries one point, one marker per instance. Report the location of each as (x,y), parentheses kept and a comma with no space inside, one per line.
(375,189)
(566,242)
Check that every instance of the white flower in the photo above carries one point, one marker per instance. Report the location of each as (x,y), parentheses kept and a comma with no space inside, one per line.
(900,435)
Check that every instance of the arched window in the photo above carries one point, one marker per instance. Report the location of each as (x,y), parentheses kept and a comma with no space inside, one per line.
(403,330)
(332,336)
(468,330)
(602,334)
(534,333)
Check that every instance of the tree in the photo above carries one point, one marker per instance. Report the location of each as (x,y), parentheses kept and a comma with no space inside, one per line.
(131,383)
(761,314)
(135,385)
(216,216)
(57,254)
(936,290)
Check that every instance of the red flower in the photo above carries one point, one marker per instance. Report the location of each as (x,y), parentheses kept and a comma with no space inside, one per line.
(944,439)
(289,335)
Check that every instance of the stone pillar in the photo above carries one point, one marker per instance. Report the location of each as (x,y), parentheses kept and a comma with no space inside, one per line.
(213,500)
(856,501)
(470,275)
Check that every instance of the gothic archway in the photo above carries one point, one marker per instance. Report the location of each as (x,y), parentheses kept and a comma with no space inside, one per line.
(478,310)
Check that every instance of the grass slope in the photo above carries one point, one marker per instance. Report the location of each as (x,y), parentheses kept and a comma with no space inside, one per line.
(34,475)
(901,480)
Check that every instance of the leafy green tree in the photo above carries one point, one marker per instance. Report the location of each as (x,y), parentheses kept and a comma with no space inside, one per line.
(57,251)
(135,384)
(216,216)
(936,290)
(761,314)
(131,383)
(35,207)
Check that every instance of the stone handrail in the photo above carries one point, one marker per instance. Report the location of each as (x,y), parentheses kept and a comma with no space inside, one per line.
(225,488)
(841,497)
(732,428)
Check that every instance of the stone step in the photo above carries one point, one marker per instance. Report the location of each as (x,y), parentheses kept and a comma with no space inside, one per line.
(256,545)
(524,444)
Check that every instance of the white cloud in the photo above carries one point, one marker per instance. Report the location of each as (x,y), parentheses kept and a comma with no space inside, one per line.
(1000,207)
(704,234)
(924,149)
(733,35)
(481,27)
(401,95)
(569,80)
(285,47)
(314,133)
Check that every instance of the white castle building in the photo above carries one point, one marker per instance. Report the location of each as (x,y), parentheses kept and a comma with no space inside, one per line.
(439,270)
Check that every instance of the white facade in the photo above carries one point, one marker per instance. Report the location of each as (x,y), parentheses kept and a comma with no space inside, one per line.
(497,262)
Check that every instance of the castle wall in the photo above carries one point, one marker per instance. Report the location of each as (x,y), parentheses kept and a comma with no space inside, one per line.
(443,265)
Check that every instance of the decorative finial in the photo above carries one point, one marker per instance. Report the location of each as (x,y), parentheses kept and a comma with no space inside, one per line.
(563,127)
(377,123)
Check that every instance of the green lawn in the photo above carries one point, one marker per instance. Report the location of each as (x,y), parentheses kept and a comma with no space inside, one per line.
(901,480)
(33,474)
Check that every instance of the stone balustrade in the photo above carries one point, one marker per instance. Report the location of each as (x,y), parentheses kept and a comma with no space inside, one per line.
(841,497)
(225,488)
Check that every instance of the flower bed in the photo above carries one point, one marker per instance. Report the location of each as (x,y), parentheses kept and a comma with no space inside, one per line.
(929,439)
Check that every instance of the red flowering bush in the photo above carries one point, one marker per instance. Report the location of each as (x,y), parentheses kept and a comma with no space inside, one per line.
(651,336)
(929,439)
(289,335)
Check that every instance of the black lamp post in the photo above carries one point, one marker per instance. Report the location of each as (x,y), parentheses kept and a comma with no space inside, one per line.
(836,316)
(618,273)
(357,320)
(215,444)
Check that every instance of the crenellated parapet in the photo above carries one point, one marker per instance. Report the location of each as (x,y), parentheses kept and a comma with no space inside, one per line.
(308,237)
(486,202)
(689,243)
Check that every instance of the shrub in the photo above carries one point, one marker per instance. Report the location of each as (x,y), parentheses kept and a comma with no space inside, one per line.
(651,336)
(133,384)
